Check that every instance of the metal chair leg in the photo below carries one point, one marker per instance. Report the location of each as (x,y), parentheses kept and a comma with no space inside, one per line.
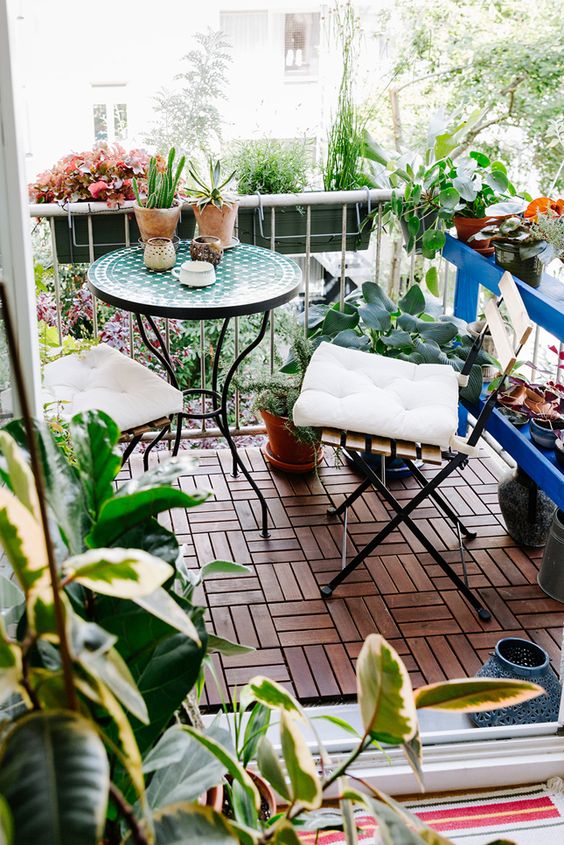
(152,445)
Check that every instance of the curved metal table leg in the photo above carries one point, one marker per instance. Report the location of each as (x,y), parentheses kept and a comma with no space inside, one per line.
(237,461)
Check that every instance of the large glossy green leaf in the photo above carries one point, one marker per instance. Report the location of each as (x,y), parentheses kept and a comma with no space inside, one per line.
(94,437)
(471,695)
(397,338)
(385,695)
(270,768)
(19,476)
(256,727)
(22,539)
(375,317)
(227,759)
(181,824)
(432,280)
(337,320)
(164,663)
(163,474)
(351,340)
(93,648)
(6,823)
(54,774)
(375,295)
(151,537)
(305,785)
(413,302)
(221,645)
(125,512)
(271,694)
(440,331)
(63,489)
(124,573)
(182,769)
(160,604)
(10,666)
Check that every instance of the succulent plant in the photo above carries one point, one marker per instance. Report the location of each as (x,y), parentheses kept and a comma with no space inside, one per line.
(211,192)
(161,184)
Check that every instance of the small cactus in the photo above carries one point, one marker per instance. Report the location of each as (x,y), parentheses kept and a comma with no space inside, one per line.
(161,185)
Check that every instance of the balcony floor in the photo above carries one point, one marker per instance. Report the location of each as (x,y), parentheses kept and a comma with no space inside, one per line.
(310,645)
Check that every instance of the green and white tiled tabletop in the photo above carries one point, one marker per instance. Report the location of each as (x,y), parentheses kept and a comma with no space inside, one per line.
(249,280)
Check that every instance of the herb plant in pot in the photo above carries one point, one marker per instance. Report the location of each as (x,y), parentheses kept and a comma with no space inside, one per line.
(289,448)
(517,248)
(214,207)
(157,212)
(481,183)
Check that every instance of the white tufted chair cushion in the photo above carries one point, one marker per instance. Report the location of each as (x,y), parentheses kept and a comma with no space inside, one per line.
(104,379)
(360,392)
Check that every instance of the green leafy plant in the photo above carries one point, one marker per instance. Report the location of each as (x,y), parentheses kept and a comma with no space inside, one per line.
(372,322)
(550,230)
(341,170)
(210,192)
(519,232)
(480,183)
(270,166)
(161,184)
(278,392)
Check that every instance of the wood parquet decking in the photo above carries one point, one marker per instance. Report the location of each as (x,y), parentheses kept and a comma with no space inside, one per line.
(309,644)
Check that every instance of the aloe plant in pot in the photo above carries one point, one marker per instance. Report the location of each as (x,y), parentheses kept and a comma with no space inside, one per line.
(215,208)
(157,209)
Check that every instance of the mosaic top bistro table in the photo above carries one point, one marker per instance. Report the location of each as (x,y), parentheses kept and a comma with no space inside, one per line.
(249,280)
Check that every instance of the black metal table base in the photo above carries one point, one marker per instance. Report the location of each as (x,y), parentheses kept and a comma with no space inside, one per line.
(218,395)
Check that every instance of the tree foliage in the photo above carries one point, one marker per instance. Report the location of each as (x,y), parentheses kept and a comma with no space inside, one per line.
(501,56)
(188,116)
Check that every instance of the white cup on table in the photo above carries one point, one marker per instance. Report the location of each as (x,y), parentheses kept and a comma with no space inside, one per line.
(195,274)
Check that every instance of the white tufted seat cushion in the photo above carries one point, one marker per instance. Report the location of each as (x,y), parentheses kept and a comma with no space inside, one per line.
(104,379)
(360,392)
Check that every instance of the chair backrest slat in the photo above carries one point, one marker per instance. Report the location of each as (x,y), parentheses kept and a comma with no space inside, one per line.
(500,336)
(522,326)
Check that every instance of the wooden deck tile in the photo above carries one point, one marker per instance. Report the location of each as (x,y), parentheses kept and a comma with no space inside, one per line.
(310,645)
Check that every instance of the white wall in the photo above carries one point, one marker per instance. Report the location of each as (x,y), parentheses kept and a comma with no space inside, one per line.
(65,46)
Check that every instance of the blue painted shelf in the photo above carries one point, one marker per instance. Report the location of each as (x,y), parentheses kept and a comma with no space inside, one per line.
(545,306)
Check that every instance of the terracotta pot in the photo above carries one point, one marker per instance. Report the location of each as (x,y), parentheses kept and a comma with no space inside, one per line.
(218,222)
(268,800)
(467,226)
(157,222)
(283,450)
(213,798)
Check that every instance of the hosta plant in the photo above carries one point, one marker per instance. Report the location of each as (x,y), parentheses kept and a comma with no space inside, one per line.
(412,329)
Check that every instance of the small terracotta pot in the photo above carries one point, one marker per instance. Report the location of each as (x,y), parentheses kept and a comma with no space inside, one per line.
(468,226)
(218,222)
(266,794)
(283,450)
(213,798)
(157,222)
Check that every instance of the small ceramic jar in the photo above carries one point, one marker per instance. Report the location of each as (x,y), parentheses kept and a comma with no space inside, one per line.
(159,254)
(206,248)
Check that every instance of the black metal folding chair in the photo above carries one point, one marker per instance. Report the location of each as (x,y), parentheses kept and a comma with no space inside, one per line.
(313,411)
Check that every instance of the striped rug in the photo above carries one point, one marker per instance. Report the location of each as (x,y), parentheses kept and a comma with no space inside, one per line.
(532,815)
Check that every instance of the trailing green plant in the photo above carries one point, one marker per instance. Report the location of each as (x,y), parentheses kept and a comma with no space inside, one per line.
(210,192)
(270,166)
(161,184)
(413,329)
(341,170)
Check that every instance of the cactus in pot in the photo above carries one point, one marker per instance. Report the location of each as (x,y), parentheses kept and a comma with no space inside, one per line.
(157,213)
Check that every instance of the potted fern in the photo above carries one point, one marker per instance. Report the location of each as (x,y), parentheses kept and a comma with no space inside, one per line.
(215,208)
(157,211)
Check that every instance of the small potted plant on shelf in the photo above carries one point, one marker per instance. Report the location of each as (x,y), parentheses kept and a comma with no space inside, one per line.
(548,225)
(518,246)
(486,194)
(289,448)
(215,208)
(157,209)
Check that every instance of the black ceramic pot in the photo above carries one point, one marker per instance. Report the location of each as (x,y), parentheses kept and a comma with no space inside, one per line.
(528,269)
(527,511)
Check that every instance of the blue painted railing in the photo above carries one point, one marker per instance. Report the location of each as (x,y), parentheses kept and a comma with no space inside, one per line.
(545,306)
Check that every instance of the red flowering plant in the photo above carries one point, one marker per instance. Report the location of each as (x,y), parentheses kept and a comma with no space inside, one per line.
(103,174)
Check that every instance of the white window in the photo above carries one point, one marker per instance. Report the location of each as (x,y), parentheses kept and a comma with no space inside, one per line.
(301,45)
(109,113)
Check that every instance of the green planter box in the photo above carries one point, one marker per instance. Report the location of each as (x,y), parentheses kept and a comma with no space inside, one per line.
(290,234)
(108,232)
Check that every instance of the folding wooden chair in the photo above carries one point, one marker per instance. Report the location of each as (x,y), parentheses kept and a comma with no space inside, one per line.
(366,403)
